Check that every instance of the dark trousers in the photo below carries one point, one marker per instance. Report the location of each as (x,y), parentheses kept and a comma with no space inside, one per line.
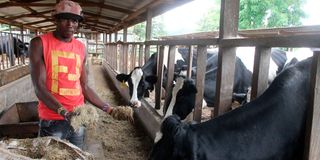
(63,130)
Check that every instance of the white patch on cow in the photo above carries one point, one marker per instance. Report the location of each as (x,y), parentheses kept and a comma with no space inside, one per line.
(176,57)
(158,137)
(249,95)
(183,73)
(136,76)
(176,88)
(273,68)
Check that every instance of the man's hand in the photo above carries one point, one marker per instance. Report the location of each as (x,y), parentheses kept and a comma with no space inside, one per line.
(65,114)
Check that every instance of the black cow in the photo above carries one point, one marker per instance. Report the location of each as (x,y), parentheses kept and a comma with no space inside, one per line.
(268,128)
(243,75)
(13,44)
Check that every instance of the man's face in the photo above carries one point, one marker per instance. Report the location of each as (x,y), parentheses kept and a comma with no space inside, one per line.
(67,27)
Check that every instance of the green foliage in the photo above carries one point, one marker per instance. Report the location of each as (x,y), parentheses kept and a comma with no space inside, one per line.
(139,31)
(210,21)
(255,14)
(270,13)
(158,27)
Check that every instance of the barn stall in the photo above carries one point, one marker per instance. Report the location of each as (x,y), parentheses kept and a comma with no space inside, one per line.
(120,57)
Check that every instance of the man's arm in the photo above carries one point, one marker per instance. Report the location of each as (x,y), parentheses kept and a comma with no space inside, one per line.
(38,75)
(89,93)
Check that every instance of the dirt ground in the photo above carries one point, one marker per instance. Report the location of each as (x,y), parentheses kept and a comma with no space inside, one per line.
(118,140)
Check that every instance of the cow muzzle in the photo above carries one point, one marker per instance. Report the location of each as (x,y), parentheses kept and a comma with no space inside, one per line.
(135,104)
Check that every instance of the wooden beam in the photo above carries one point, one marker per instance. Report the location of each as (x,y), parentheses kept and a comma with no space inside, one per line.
(212,41)
(23,4)
(101,16)
(104,6)
(307,40)
(106,24)
(37,22)
(13,23)
(38,14)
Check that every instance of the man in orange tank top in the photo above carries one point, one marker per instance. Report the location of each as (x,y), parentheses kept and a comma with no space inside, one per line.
(59,75)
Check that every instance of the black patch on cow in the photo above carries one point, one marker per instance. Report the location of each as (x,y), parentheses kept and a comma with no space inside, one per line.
(185,99)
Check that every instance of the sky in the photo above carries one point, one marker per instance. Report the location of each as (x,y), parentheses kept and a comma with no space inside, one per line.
(183,19)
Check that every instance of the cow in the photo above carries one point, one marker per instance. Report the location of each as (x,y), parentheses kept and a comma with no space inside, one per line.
(185,90)
(269,127)
(13,48)
(13,44)
(242,76)
(141,80)
(243,72)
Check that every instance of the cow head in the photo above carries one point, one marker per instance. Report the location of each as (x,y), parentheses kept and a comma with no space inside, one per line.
(20,48)
(170,145)
(185,99)
(139,85)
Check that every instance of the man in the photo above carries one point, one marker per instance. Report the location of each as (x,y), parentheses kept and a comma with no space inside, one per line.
(59,76)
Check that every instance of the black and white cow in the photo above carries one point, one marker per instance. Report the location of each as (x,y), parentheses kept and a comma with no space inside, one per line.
(269,127)
(241,84)
(141,80)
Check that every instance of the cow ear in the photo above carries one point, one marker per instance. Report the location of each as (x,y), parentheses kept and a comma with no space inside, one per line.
(151,79)
(122,77)
(189,86)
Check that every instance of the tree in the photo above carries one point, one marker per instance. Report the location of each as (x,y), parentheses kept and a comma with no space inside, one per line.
(158,27)
(270,13)
(255,14)
(139,31)
(210,21)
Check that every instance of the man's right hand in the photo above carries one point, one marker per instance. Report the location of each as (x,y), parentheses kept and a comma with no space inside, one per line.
(65,114)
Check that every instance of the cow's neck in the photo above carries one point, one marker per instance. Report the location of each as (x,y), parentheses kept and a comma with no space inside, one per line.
(175,90)
(136,76)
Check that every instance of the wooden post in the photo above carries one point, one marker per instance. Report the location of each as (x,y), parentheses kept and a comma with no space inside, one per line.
(148,36)
(312,147)
(171,59)
(125,34)
(260,71)
(115,36)
(229,17)
(141,54)
(160,77)
(189,71)
(200,78)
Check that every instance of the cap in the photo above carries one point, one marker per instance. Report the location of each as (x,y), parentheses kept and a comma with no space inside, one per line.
(68,9)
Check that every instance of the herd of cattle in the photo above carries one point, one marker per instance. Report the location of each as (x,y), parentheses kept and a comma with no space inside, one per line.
(13,47)
(269,127)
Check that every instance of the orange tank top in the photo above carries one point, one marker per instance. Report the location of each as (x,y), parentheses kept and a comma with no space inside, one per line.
(63,62)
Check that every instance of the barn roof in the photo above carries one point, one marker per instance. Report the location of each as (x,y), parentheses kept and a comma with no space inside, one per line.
(100,15)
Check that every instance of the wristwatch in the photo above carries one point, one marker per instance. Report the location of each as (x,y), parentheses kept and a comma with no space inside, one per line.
(61,111)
